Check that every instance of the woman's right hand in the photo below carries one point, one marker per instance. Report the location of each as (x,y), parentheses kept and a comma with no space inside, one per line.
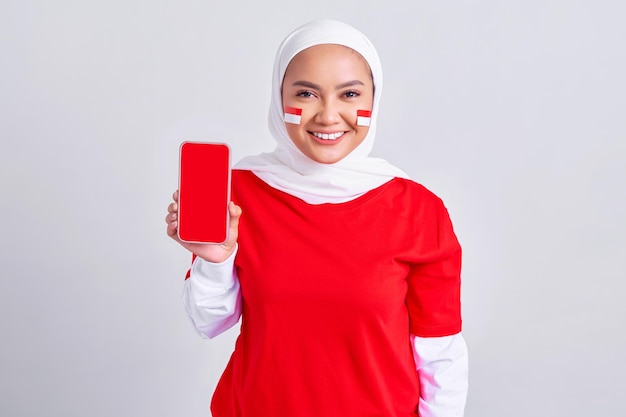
(215,253)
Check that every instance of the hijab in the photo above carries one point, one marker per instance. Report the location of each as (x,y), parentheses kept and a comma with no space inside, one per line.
(287,168)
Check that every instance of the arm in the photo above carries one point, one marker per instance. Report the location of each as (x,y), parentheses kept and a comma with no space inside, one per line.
(211,293)
(434,302)
(212,296)
(442,366)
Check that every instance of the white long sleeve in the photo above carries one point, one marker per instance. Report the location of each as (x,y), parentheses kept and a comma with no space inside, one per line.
(212,296)
(442,366)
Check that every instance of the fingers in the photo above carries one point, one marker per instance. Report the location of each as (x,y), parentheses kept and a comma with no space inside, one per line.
(172,229)
(172,213)
(235,213)
(172,217)
(172,209)
(172,226)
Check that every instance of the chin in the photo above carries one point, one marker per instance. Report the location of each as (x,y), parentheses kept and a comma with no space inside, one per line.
(327,159)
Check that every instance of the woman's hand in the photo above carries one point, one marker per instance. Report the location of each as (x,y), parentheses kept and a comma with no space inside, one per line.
(208,252)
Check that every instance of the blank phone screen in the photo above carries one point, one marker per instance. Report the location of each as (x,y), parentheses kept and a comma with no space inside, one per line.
(204,192)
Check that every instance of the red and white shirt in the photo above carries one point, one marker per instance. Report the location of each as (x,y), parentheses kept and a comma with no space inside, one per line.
(330,297)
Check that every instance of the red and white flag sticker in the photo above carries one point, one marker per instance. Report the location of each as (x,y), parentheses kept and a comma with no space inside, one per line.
(363,117)
(293,115)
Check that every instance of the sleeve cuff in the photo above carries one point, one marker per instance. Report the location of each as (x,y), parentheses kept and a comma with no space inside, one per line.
(214,274)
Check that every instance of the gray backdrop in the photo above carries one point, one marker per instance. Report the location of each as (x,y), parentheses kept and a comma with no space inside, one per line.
(511,111)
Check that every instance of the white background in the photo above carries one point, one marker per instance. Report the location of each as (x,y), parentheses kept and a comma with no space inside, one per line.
(511,111)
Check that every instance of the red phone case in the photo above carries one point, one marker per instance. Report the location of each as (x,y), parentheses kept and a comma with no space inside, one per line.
(203,192)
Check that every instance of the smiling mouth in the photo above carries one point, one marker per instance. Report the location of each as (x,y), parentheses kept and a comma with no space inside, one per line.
(328,136)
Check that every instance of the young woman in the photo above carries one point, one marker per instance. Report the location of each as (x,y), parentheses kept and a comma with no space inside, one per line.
(346,273)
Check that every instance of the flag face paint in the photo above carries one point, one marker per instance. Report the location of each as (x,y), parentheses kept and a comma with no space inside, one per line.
(363,117)
(293,115)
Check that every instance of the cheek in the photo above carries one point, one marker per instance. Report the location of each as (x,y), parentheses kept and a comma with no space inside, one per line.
(294,132)
(362,132)
(290,129)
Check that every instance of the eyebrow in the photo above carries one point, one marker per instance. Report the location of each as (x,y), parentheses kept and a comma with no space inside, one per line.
(318,87)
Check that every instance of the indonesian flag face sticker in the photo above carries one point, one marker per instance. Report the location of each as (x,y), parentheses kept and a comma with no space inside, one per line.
(293,115)
(363,117)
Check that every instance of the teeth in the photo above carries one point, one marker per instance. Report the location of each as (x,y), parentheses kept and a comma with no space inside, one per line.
(328,136)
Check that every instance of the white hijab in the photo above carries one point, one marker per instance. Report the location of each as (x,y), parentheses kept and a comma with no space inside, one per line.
(289,170)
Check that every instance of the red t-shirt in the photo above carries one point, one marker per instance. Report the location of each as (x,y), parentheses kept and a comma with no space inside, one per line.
(331,294)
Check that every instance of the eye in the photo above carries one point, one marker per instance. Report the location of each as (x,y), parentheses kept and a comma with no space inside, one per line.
(351,94)
(305,94)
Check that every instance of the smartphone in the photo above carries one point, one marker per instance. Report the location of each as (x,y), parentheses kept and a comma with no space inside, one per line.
(203,192)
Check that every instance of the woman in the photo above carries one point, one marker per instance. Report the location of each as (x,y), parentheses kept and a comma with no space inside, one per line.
(345,272)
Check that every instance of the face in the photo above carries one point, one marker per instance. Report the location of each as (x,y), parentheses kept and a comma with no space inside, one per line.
(329,83)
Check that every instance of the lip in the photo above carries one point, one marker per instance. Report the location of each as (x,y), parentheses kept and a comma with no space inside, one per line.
(327,142)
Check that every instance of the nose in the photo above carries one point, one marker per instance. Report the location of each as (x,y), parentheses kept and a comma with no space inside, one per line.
(328,113)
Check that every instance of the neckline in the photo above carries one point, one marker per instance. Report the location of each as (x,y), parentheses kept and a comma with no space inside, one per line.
(360,201)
